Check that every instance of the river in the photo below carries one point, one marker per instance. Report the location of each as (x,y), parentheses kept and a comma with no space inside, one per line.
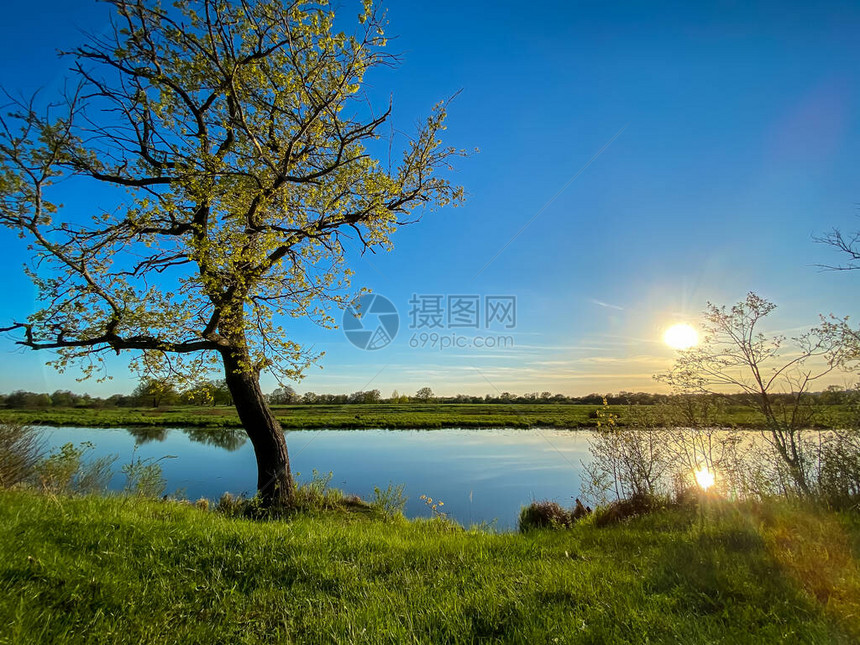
(482,476)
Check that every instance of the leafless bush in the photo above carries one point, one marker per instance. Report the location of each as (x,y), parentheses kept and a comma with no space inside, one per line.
(626,462)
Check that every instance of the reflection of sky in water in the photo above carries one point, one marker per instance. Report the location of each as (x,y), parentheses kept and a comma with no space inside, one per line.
(502,469)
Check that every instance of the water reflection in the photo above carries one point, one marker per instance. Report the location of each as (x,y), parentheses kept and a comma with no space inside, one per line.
(145,435)
(230,439)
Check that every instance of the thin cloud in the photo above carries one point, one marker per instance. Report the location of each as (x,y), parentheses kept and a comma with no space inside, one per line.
(600,303)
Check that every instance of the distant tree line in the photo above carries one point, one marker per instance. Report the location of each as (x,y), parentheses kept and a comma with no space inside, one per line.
(149,393)
(154,394)
(833,395)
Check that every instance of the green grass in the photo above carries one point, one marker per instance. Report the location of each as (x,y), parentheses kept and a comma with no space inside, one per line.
(383,415)
(93,570)
(323,416)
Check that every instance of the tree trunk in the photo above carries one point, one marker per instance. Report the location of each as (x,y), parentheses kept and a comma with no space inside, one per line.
(274,479)
(786,441)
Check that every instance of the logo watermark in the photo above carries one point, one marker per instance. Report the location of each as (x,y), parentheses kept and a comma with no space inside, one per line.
(434,340)
(438,321)
(371,322)
(439,311)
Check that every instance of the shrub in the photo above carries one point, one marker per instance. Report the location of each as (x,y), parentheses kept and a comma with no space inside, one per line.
(230,505)
(839,470)
(143,477)
(687,497)
(544,514)
(66,471)
(390,502)
(315,495)
(624,509)
(580,511)
(625,461)
(20,450)
(56,472)
(94,476)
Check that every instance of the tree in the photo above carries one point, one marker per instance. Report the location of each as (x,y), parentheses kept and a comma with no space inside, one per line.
(64,399)
(846,244)
(734,356)
(424,394)
(244,142)
(208,393)
(370,396)
(22,399)
(396,397)
(154,392)
(284,396)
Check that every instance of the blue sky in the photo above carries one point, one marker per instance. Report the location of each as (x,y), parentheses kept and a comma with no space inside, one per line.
(735,139)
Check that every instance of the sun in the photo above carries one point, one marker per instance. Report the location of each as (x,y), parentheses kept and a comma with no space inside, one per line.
(704,478)
(681,336)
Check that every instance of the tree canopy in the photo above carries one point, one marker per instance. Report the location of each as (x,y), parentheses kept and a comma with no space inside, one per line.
(247,147)
(241,134)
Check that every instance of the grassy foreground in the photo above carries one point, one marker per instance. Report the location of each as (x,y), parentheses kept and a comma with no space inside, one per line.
(373,415)
(95,570)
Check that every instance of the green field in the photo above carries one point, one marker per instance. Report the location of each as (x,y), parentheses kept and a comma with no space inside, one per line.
(382,415)
(127,570)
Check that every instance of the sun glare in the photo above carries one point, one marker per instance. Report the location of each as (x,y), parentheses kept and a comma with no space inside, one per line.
(681,336)
(704,478)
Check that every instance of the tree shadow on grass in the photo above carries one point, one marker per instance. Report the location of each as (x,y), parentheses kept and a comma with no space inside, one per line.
(728,565)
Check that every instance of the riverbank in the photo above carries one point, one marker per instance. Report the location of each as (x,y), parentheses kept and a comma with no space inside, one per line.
(116,570)
(384,416)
